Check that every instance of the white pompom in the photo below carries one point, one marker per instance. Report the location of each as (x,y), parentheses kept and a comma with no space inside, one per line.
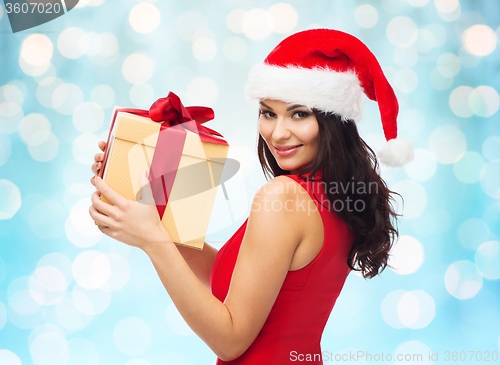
(396,153)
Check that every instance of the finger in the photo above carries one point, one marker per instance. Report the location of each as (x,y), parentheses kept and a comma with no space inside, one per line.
(100,218)
(147,194)
(98,157)
(104,208)
(109,193)
(96,167)
(102,145)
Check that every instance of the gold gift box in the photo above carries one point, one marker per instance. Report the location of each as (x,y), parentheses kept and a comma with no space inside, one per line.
(131,147)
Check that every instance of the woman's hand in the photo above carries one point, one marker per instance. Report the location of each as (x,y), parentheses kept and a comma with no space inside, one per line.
(134,223)
(96,166)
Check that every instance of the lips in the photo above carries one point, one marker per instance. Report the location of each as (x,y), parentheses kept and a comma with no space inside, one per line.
(286,148)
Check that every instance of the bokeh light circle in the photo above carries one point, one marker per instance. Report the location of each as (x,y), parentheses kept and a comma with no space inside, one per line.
(35,129)
(406,255)
(414,196)
(73,42)
(402,31)
(91,269)
(234,19)
(389,308)
(20,296)
(484,101)
(82,352)
(234,48)
(137,68)
(204,49)
(406,57)
(45,151)
(36,50)
(45,90)
(141,95)
(411,350)
(479,40)
(468,168)
(416,309)
(144,18)
(448,144)
(487,259)
(103,95)
(406,80)
(10,199)
(463,279)
(132,336)
(189,23)
(366,16)
(11,115)
(91,301)
(418,3)
(490,178)
(88,117)
(284,18)
(66,98)
(425,40)
(49,348)
(448,64)
(120,271)
(459,101)
(70,317)
(257,24)
(202,91)
(84,148)
(8,357)
(448,10)
(440,82)
(423,166)
(491,148)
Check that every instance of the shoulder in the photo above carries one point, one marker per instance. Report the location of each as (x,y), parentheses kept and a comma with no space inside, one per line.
(280,204)
(280,188)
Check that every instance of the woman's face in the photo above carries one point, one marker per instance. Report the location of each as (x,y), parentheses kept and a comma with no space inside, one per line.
(284,125)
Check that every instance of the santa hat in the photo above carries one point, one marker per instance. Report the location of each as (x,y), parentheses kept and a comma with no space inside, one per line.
(329,70)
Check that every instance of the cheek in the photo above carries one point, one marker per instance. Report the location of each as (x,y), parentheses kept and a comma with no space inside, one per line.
(264,130)
(310,133)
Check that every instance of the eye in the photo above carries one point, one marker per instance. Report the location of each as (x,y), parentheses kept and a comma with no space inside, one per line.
(267,113)
(300,114)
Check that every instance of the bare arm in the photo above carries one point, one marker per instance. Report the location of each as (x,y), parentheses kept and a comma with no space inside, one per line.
(199,261)
(266,251)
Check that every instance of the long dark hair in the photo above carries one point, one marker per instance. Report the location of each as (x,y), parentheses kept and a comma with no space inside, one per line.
(345,158)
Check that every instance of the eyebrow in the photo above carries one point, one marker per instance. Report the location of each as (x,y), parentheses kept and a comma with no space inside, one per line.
(288,109)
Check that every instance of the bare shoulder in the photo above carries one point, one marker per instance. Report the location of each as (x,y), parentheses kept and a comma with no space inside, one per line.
(281,188)
(283,204)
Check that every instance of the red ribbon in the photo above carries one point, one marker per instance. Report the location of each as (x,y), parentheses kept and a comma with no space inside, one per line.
(174,119)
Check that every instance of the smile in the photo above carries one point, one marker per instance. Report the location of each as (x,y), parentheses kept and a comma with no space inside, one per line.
(288,151)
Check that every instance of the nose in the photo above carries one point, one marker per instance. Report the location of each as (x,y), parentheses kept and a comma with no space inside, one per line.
(281,130)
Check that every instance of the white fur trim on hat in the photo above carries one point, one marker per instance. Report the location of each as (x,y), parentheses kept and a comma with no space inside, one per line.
(396,152)
(319,88)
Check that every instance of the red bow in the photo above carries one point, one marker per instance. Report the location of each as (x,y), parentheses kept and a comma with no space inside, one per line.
(171,110)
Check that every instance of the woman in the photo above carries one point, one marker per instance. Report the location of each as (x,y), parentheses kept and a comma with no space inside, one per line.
(268,293)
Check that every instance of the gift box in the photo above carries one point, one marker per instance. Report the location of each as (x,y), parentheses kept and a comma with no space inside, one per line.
(185,161)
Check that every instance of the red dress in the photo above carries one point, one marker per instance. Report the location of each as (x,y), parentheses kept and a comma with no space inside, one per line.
(299,315)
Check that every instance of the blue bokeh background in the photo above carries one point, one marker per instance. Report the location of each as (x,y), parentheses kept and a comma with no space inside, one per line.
(69,295)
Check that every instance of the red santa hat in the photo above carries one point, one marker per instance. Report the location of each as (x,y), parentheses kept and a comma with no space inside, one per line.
(329,70)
